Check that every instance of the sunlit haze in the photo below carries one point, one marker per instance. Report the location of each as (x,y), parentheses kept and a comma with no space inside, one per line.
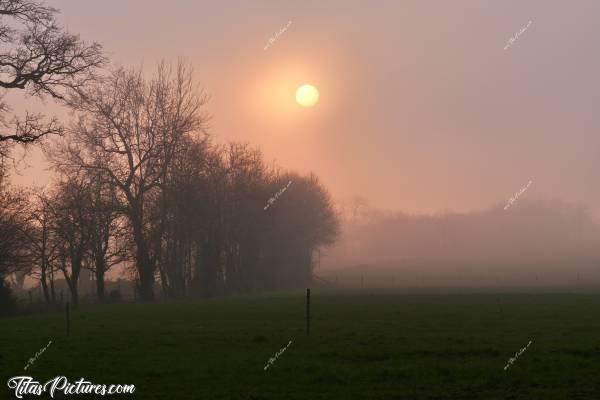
(419,117)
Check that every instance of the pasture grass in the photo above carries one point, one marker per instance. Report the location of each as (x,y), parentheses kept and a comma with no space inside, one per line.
(370,346)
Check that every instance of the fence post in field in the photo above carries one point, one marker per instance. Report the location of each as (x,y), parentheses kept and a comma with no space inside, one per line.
(68,318)
(307,312)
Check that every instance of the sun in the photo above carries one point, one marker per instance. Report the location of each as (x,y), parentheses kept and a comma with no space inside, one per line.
(307,95)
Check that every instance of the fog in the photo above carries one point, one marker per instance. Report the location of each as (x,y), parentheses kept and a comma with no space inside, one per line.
(532,243)
(436,112)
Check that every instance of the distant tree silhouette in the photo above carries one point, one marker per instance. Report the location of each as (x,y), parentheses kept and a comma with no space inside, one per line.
(109,244)
(74,226)
(299,225)
(43,242)
(219,237)
(138,179)
(14,254)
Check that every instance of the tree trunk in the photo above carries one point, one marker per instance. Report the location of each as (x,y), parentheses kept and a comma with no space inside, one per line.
(144,267)
(73,279)
(74,295)
(100,278)
(143,264)
(52,290)
(72,284)
(146,284)
(44,285)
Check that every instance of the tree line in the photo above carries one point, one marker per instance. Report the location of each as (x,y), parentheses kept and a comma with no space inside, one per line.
(139,182)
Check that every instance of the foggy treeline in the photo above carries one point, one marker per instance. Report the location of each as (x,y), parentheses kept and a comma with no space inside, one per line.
(139,183)
(532,241)
(140,186)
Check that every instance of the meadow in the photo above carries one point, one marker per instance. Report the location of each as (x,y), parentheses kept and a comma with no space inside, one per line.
(368,345)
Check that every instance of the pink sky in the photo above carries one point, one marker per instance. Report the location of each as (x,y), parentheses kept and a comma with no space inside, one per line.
(421,109)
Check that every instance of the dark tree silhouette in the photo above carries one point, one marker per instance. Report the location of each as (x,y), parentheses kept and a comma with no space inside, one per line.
(109,244)
(73,226)
(129,132)
(42,58)
(218,237)
(14,254)
(43,242)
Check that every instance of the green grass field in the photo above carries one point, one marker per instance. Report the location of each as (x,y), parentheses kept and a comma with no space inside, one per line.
(377,346)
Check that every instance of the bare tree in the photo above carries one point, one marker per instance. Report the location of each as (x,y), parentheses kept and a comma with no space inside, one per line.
(14,255)
(129,131)
(179,215)
(73,226)
(108,240)
(42,58)
(218,237)
(43,244)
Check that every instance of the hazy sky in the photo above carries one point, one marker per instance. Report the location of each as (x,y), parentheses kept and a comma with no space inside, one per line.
(421,109)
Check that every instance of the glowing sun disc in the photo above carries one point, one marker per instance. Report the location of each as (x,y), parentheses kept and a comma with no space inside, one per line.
(307,95)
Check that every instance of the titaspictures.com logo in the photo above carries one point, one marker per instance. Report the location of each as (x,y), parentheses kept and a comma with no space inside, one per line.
(26,385)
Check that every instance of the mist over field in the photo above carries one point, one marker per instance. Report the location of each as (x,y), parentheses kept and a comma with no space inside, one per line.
(531,243)
(266,200)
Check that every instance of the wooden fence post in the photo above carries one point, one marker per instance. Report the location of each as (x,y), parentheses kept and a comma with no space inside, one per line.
(307,312)
(68,319)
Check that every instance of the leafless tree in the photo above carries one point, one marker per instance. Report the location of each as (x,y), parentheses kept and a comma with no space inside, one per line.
(43,243)
(128,131)
(109,244)
(218,238)
(14,254)
(42,58)
(73,228)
